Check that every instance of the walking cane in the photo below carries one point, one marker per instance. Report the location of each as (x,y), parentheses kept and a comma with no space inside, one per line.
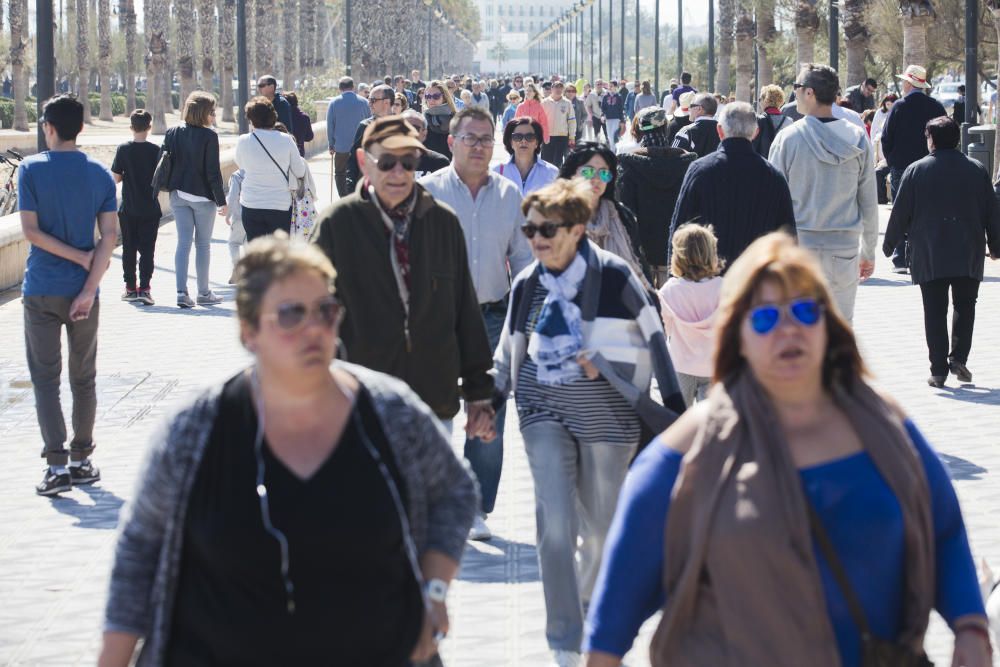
(331,177)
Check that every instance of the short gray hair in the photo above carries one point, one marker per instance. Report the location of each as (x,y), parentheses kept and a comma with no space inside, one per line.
(738,119)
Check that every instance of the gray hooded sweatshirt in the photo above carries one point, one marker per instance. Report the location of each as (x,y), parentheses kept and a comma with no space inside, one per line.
(830,171)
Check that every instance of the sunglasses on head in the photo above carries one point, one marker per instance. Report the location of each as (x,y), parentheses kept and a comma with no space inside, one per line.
(433,96)
(519,137)
(764,319)
(292,315)
(547,229)
(388,161)
(589,172)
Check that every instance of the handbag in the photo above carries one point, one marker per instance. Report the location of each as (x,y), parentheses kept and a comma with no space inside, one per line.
(304,215)
(875,652)
(164,167)
(296,185)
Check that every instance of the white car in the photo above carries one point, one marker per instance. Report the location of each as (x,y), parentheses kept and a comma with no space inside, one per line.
(946,93)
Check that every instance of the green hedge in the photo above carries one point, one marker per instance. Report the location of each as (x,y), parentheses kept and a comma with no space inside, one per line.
(7,112)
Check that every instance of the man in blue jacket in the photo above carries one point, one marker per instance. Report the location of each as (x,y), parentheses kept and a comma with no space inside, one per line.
(903,141)
(343,117)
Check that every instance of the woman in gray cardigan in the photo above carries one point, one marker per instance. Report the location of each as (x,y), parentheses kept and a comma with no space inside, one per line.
(301,513)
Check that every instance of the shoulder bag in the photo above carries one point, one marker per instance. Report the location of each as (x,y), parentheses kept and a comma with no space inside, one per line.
(296,185)
(164,167)
(875,652)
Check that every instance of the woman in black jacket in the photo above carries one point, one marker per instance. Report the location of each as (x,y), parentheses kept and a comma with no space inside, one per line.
(439,109)
(195,186)
(946,208)
(649,180)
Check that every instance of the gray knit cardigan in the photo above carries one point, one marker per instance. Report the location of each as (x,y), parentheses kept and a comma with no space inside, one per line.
(442,499)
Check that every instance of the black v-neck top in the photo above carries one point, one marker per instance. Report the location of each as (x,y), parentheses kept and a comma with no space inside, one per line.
(357,599)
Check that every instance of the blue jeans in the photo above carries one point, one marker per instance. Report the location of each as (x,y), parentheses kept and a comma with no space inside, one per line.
(195,220)
(486,458)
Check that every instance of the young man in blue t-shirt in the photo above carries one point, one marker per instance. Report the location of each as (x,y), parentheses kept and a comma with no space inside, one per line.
(61,192)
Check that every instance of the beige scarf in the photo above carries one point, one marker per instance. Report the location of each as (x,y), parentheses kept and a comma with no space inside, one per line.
(742,583)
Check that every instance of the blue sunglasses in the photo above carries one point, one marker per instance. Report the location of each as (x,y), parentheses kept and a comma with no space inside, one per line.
(764,319)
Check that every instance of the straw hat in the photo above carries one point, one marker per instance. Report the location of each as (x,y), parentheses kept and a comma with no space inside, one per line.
(916,75)
(683,104)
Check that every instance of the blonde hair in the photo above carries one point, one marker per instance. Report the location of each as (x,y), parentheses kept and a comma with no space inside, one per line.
(695,253)
(445,94)
(198,108)
(269,260)
(772,96)
(513,96)
(567,200)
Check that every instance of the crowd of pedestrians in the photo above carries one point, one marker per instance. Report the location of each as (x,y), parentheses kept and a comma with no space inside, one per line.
(690,240)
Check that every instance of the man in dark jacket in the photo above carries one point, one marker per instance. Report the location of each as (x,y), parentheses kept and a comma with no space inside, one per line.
(734,189)
(267,86)
(403,276)
(649,181)
(862,96)
(947,206)
(903,141)
(701,136)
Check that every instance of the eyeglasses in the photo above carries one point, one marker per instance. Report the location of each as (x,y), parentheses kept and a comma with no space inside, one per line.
(383,99)
(547,229)
(589,172)
(519,137)
(764,319)
(388,161)
(265,85)
(292,315)
(433,96)
(472,140)
(694,106)
(796,86)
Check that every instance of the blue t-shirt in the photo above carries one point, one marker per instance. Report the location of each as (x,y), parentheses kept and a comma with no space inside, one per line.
(67,190)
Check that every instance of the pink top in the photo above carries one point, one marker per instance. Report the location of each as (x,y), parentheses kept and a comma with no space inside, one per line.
(533,109)
(688,312)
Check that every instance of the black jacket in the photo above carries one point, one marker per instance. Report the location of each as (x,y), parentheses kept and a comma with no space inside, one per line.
(859,101)
(738,192)
(353,175)
(194,162)
(430,161)
(947,208)
(649,181)
(768,126)
(903,141)
(676,125)
(701,136)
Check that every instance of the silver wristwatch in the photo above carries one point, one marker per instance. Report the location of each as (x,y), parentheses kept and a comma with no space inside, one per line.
(437,590)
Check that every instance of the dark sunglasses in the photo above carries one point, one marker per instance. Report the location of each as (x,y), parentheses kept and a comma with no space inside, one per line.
(764,319)
(796,86)
(292,315)
(265,85)
(433,96)
(547,229)
(518,137)
(388,161)
(589,172)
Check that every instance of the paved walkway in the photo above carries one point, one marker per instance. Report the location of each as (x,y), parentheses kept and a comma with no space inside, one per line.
(55,554)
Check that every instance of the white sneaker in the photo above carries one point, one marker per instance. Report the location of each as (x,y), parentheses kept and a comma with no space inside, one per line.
(567,658)
(480,531)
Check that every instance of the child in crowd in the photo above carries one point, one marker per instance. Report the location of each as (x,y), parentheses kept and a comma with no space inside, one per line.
(689,302)
(139,213)
(234,218)
(513,99)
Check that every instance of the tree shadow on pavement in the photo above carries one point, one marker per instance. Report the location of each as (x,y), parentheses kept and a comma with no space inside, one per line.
(882,282)
(101,515)
(970,393)
(198,311)
(961,469)
(499,561)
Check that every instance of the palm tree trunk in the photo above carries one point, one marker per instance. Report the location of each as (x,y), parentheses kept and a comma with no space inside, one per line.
(744,54)
(307,34)
(916,16)
(155,19)
(766,34)
(129,21)
(208,30)
(184,10)
(857,38)
(995,10)
(806,26)
(265,44)
(17,46)
(727,17)
(104,57)
(83,56)
(288,54)
(227,47)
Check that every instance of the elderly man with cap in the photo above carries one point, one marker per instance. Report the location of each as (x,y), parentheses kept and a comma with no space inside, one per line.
(649,180)
(380,101)
(403,277)
(701,136)
(681,117)
(903,141)
(267,86)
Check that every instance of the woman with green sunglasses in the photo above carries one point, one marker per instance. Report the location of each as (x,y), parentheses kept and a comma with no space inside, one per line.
(612,226)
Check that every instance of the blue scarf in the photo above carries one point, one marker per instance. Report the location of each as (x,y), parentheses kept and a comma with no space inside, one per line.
(558,335)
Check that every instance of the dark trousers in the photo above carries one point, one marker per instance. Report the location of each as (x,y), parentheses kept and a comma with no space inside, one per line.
(264,221)
(554,151)
(340,172)
(900,256)
(138,237)
(881,184)
(598,128)
(964,292)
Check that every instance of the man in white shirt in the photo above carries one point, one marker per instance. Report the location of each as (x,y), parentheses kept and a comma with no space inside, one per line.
(562,125)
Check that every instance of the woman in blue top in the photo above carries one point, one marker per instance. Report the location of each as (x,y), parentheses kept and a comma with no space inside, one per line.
(522,137)
(791,428)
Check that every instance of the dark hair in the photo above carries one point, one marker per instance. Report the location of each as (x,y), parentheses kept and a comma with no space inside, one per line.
(261,114)
(961,88)
(581,155)
(140,120)
(475,113)
(868,116)
(346,83)
(943,131)
(268,80)
(508,132)
(823,81)
(685,78)
(647,88)
(871,82)
(292,98)
(65,114)
(891,97)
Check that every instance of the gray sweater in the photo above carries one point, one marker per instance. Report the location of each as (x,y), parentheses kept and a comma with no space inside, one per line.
(830,169)
(442,501)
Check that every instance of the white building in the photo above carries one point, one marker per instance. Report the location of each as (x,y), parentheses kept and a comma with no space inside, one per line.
(512,23)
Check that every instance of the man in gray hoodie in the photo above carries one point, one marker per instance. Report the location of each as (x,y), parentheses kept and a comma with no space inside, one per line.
(830,170)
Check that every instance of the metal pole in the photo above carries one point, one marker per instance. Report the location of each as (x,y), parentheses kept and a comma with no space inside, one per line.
(593,72)
(430,19)
(834,35)
(600,39)
(680,38)
(756,64)
(621,31)
(45,55)
(243,92)
(347,36)
(710,84)
(637,44)
(611,41)
(971,67)
(656,49)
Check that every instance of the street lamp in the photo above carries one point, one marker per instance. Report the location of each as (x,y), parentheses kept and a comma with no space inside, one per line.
(243,93)
(347,36)
(45,56)
(430,17)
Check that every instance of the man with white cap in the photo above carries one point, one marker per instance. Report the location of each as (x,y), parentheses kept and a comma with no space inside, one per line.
(903,141)
(682,116)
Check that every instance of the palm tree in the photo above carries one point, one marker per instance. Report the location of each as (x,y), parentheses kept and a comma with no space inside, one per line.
(184,12)
(126,11)
(288,55)
(744,52)
(307,34)
(227,47)
(806,26)
(857,37)
(994,7)
(209,33)
(916,16)
(766,33)
(727,17)
(83,56)
(155,18)
(17,45)
(104,56)
(264,54)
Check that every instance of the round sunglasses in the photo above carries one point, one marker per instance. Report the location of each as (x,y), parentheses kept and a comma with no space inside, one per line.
(589,172)
(388,161)
(520,137)
(764,319)
(547,229)
(292,315)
